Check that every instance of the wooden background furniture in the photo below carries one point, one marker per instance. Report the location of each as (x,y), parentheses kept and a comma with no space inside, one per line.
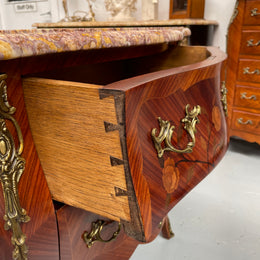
(243,71)
(186,9)
(116,126)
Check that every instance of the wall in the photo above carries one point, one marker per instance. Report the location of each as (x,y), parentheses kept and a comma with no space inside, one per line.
(12,19)
(220,11)
(52,10)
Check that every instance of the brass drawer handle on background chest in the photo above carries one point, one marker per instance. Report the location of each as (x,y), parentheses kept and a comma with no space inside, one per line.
(247,71)
(250,43)
(241,122)
(244,96)
(254,12)
(94,235)
(166,131)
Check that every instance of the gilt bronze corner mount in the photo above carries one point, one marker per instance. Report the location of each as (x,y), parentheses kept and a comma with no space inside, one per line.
(12,166)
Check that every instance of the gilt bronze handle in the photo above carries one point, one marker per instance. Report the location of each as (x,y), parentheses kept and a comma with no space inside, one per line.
(254,12)
(166,131)
(250,43)
(241,122)
(244,96)
(94,235)
(247,71)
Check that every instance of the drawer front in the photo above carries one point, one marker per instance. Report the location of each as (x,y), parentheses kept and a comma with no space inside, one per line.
(247,97)
(252,13)
(76,224)
(162,179)
(249,70)
(250,42)
(246,122)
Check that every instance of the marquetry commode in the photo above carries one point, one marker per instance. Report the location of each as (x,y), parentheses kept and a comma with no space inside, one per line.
(243,71)
(112,128)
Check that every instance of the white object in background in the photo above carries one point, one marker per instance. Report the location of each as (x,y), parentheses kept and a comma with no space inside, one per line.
(22,14)
(149,9)
(121,10)
(25,7)
(1,26)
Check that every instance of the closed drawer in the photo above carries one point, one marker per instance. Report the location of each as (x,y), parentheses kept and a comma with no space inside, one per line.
(97,143)
(81,234)
(246,122)
(249,70)
(250,42)
(247,97)
(252,13)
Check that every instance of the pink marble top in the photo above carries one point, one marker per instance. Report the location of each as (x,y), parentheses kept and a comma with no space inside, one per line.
(24,43)
(105,24)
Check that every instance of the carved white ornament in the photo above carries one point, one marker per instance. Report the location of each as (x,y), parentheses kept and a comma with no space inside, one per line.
(121,10)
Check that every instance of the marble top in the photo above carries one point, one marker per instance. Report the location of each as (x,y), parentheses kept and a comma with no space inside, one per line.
(154,23)
(24,43)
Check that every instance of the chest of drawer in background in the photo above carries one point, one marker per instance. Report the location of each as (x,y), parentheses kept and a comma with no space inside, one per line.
(243,71)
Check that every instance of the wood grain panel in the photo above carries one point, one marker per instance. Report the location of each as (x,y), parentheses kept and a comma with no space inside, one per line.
(67,121)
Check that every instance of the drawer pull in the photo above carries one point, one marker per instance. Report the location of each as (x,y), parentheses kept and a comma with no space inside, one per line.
(166,131)
(244,96)
(254,12)
(250,43)
(94,235)
(246,71)
(241,122)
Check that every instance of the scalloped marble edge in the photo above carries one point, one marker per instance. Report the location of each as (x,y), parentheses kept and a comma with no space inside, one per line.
(24,43)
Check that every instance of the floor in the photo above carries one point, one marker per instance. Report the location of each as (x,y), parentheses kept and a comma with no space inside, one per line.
(220,218)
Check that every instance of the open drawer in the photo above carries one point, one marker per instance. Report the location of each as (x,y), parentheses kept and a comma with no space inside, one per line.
(102,145)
